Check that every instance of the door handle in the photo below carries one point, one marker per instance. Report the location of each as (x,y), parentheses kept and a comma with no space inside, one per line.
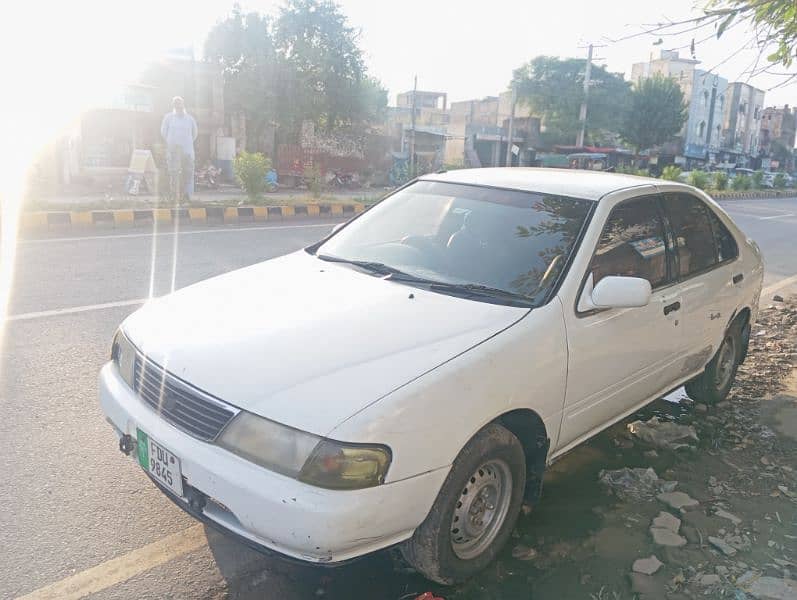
(737,278)
(672,307)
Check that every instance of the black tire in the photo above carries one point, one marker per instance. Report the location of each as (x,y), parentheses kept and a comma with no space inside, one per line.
(431,549)
(714,383)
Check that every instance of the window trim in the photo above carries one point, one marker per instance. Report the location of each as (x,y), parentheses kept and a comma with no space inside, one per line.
(671,278)
(717,263)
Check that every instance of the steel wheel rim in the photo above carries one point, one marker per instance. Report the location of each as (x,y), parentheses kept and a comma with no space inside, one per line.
(725,363)
(481,509)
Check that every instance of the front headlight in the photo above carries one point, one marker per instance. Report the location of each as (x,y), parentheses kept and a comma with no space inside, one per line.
(123,354)
(304,456)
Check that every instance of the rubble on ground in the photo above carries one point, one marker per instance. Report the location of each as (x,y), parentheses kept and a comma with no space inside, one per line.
(664,434)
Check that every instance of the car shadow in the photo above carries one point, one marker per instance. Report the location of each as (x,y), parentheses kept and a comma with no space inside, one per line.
(252,575)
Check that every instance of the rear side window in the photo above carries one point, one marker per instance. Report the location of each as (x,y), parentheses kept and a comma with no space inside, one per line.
(694,236)
(632,243)
(726,244)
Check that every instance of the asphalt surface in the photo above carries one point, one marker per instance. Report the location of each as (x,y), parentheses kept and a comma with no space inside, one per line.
(71,502)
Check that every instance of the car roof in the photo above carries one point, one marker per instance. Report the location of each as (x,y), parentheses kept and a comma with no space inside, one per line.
(576,183)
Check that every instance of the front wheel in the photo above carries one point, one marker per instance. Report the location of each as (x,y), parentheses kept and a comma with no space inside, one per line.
(475,511)
(712,386)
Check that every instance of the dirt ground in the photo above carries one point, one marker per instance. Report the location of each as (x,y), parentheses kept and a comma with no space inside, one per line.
(736,538)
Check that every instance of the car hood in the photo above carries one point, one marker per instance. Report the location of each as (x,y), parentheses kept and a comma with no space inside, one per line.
(305,342)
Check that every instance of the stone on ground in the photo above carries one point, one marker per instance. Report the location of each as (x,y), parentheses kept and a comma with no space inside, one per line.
(667,521)
(667,537)
(647,566)
(678,500)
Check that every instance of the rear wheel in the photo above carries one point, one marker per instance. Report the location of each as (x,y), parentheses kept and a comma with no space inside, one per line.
(712,386)
(475,511)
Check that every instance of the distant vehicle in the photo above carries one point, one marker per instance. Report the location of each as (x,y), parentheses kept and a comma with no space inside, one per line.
(431,357)
(741,171)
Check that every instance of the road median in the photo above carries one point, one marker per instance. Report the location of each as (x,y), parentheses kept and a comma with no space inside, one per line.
(208,215)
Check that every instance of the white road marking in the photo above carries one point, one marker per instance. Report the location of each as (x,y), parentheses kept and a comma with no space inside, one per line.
(776,217)
(122,568)
(778,285)
(73,310)
(171,232)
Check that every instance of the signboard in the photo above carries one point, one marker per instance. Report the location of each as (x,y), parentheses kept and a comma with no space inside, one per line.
(515,149)
(141,173)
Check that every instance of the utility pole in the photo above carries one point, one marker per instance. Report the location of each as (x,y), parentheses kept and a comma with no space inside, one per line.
(412,130)
(582,116)
(510,132)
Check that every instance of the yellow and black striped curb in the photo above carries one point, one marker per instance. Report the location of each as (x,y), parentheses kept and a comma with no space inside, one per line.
(208,215)
(756,195)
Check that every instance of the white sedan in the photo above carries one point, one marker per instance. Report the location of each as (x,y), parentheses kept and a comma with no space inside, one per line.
(406,380)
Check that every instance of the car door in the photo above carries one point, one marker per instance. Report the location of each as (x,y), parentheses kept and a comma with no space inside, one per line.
(707,273)
(618,358)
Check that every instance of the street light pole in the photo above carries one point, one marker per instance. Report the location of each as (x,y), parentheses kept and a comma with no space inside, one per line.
(412,132)
(582,116)
(510,132)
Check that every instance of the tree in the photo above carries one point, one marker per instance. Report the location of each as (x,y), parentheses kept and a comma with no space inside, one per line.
(326,81)
(657,112)
(554,89)
(306,64)
(244,47)
(774,23)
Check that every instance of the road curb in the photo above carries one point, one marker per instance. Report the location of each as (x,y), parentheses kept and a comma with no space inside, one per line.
(208,215)
(756,195)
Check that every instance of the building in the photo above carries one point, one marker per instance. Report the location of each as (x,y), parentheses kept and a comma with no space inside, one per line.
(703,135)
(96,152)
(742,124)
(479,131)
(777,136)
(430,127)
(669,64)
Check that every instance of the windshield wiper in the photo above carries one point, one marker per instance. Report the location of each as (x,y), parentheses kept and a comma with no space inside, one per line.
(464,289)
(368,265)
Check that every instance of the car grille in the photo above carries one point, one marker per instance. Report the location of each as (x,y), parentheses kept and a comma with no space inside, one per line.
(186,408)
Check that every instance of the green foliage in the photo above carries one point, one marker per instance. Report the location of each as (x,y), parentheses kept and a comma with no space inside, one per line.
(671,173)
(741,182)
(780,181)
(315,182)
(244,47)
(656,114)
(326,77)
(720,180)
(758,179)
(629,170)
(773,21)
(250,169)
(699,179)
(554,89)
(304,65)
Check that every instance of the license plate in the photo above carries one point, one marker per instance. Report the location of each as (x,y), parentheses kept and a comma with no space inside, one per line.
(159,462)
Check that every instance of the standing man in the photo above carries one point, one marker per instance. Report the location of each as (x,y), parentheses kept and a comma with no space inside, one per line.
(179,131)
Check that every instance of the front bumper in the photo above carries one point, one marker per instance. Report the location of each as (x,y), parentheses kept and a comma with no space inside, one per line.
(270,510)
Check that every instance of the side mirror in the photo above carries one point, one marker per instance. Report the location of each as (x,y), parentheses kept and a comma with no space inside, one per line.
(621,292)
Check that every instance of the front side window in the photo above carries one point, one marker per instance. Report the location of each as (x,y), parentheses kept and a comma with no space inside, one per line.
(632,243)
(727,249)
(694,236)
(454,234)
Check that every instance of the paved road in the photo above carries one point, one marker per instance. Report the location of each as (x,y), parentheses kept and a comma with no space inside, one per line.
(72,506)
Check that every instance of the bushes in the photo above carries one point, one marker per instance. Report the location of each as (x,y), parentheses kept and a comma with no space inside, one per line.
(250,169)
(315,183)
(741,183)
(720,181)
(758,180)
(699,179)
(671,173)
(780,181)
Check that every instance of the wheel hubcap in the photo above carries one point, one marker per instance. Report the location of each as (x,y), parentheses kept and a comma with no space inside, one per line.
(481,509)
(725,363)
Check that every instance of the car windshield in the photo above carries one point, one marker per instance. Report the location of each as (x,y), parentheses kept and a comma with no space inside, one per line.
(510,243)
